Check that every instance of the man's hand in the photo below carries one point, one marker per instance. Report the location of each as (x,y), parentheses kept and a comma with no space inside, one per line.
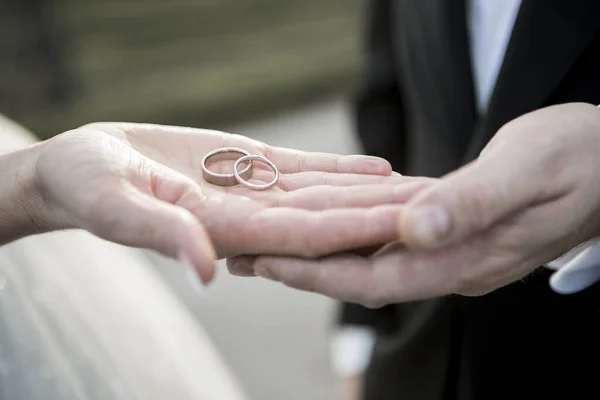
(533,194)
(142,185)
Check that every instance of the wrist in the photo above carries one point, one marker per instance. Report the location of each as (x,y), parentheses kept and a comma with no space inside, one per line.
(23,207)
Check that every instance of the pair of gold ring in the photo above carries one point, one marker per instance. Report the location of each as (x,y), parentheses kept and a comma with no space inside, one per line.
(236,177)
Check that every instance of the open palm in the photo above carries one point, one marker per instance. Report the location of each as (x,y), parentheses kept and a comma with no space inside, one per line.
(142,185)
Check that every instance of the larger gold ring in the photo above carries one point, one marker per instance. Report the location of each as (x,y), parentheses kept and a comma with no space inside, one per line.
(225,153)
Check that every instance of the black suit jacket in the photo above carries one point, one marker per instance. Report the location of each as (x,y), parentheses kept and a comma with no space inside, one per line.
(417,110)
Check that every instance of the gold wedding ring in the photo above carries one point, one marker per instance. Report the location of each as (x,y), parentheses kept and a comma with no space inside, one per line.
(226,153)
(243,181)
(240,156)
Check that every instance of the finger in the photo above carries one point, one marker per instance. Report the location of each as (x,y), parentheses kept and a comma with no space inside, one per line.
(301,180)
(246,227)
(292,161)
(291,182)
(344,277)
(287,160)
(328,197)
(471,200)
(392,276)
(136,219)
(243,266)
(288,231)
(505,253)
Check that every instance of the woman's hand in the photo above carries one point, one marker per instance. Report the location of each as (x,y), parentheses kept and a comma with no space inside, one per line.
(142,185)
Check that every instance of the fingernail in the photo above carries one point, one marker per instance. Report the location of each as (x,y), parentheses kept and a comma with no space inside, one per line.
(264,273)
(193,279)
(429,224)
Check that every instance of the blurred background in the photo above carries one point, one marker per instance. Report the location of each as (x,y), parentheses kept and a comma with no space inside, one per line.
(192,62)
(278,71)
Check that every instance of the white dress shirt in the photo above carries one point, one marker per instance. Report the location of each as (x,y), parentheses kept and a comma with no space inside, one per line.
(490,26)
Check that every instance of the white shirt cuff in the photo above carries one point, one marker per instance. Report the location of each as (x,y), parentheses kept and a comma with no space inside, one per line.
(351,350)
(576,270)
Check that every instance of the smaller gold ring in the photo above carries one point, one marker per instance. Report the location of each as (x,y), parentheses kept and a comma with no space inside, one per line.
(242,180)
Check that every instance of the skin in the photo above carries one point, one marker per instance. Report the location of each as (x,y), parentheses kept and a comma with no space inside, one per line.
(532,195)
(141,185)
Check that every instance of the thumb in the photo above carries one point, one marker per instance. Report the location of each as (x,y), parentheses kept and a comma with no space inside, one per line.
(137,219)
(468,201)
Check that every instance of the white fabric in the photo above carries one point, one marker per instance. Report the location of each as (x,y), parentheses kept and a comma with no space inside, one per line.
(490,26)
(576,270)
(351,350)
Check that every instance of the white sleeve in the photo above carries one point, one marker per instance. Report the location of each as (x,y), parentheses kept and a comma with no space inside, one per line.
(351,350)
(576,270)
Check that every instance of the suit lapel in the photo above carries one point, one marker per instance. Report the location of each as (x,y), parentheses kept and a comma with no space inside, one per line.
(547,39)
(436,58)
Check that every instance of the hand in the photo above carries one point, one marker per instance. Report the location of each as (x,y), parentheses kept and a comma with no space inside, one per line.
(533,194)
(142,185)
